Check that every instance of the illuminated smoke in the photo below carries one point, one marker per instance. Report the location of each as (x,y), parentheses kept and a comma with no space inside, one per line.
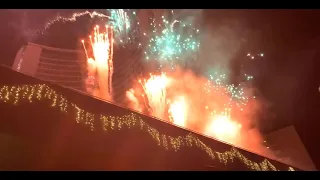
(130,94)
(198,104)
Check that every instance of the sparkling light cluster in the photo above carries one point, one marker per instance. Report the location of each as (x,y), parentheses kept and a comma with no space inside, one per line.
(252,56)
(172,41)
(235,91)
(32,93)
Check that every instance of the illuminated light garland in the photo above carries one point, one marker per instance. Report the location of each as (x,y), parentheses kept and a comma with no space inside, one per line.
(31,93)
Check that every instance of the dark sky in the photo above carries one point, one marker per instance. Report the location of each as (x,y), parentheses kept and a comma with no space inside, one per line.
(287,37)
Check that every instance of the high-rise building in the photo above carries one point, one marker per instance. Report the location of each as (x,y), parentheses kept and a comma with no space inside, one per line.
(61,66)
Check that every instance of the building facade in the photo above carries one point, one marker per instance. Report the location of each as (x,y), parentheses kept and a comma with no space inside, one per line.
(61,66)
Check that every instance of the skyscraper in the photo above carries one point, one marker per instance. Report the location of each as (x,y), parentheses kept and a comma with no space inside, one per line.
(61,66)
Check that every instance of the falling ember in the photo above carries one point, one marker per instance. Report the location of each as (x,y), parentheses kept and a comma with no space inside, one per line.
(178,112)
(155,89)
(102,60)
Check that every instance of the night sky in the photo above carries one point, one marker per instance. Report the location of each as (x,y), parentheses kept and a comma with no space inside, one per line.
(290,83)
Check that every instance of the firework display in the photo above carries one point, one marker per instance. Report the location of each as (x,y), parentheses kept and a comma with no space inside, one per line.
(172,41)
(208,105)
(122,22)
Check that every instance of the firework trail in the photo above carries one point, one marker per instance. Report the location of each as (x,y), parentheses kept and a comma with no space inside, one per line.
(71,18)
(102,50)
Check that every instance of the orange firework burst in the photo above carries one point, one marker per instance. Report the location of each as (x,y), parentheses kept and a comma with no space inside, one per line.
(223,128)
(102,60)
(155,89)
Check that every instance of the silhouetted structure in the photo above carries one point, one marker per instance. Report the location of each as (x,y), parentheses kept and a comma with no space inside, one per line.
(46,126)
(287,146)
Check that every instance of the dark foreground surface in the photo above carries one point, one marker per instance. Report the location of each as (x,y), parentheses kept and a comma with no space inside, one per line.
(48,127)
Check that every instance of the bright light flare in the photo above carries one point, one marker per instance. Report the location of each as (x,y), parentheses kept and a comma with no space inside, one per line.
(101,59)
(178,111)
(155,89)
(102,46)
(223,128)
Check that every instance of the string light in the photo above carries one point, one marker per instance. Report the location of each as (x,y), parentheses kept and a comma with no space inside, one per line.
(39,92)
